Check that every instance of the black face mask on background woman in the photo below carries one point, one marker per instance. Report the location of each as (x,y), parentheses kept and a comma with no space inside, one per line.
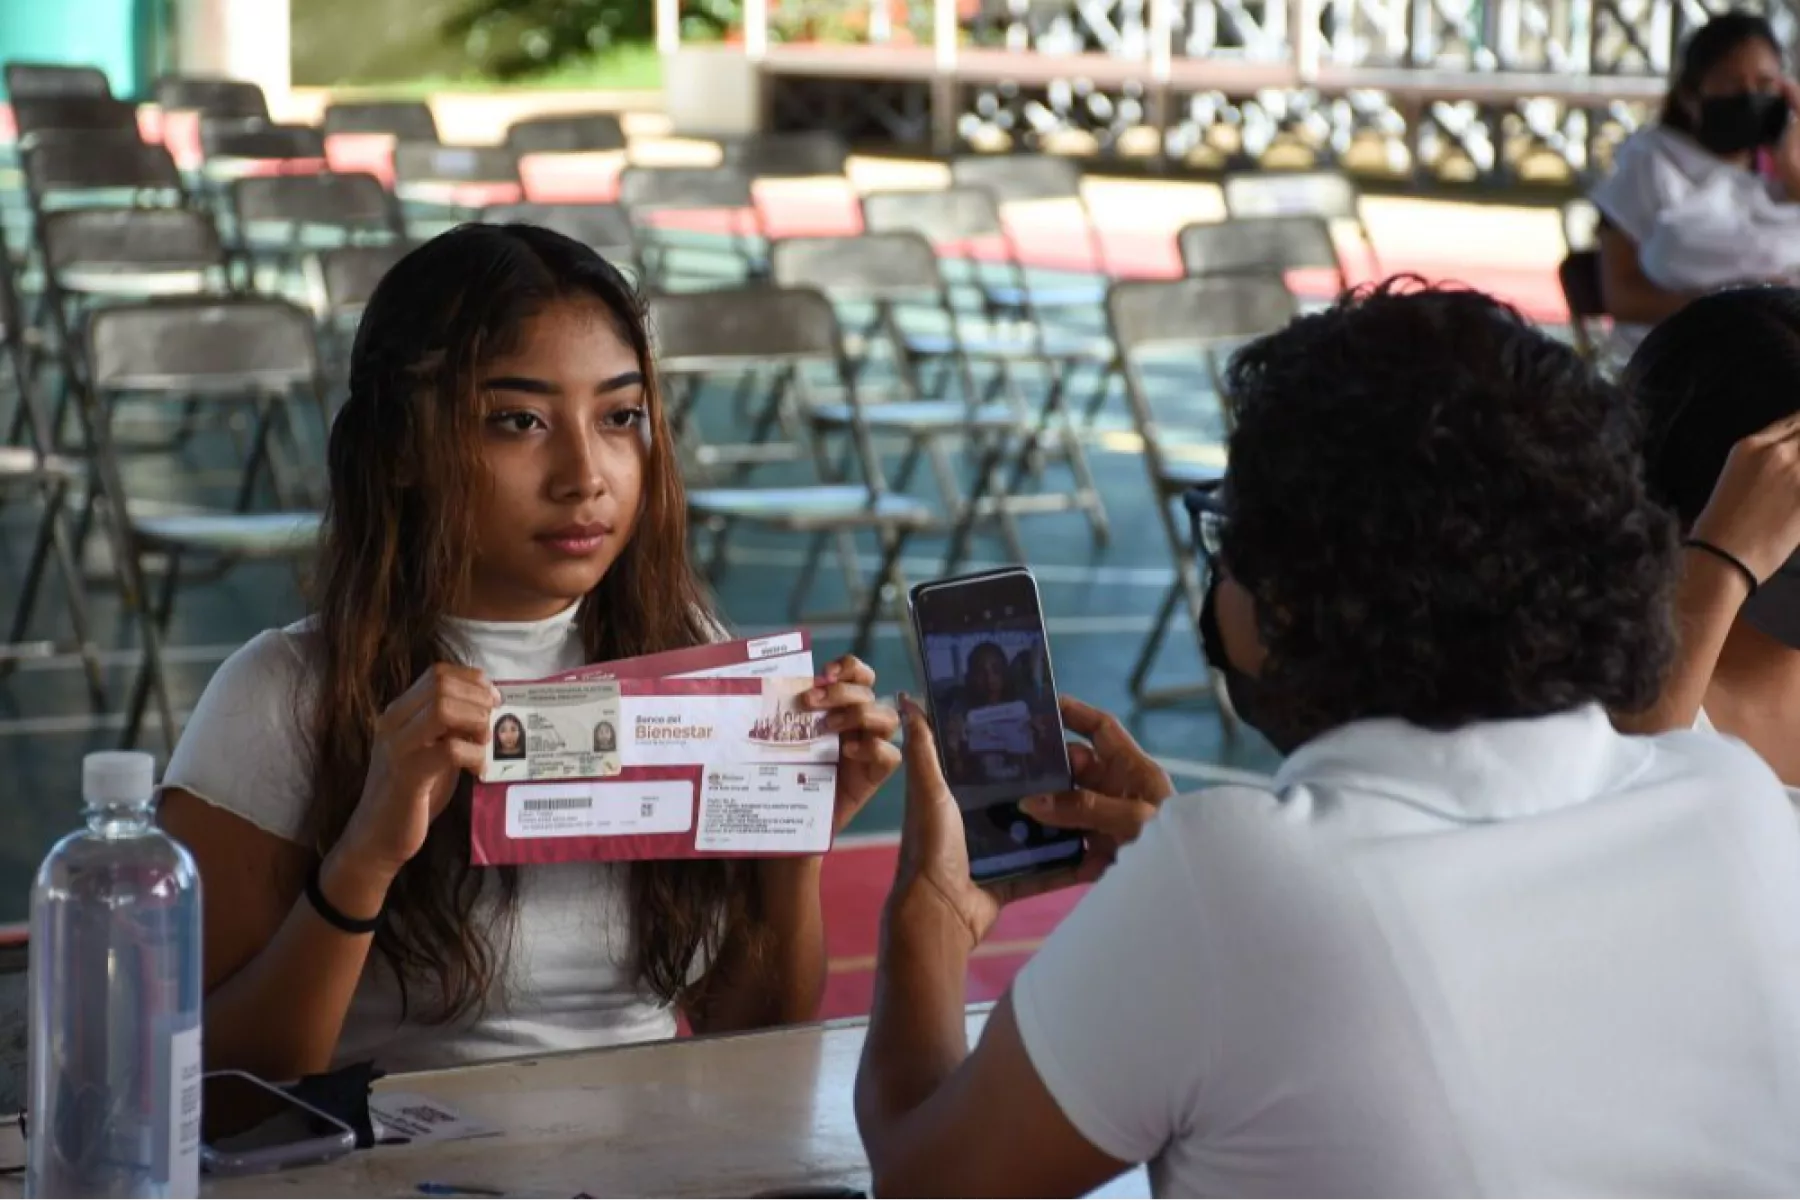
(1245,690)
(1745,121)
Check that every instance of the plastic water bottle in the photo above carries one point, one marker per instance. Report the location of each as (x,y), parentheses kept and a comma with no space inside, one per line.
(114,1103)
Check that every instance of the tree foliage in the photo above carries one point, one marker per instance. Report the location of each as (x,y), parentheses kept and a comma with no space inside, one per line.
(511,39)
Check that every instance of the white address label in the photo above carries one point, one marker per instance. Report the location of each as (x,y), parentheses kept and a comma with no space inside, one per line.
(599,809)
(765,809)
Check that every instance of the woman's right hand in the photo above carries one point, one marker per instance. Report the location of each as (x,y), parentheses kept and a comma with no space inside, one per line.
(1754,512)
(434,732)
(1118,787)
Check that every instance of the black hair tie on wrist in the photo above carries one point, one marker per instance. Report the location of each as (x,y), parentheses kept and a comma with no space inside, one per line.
(1725,556)
(335,917)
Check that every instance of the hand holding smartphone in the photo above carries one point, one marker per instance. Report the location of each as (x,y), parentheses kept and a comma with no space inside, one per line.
(991,696)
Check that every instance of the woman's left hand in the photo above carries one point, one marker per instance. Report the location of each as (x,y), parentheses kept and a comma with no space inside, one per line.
(865,728)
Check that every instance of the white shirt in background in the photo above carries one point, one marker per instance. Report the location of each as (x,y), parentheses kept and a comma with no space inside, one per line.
(1521,958)
(566,982)
(1700,223)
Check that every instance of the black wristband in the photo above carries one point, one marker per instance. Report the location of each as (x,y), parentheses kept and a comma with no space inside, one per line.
(1725,556)
(315,896)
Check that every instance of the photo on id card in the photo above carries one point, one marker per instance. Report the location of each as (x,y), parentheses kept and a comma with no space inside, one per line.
(549,730)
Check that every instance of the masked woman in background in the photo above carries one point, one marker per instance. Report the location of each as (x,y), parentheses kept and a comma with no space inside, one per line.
(1704,198)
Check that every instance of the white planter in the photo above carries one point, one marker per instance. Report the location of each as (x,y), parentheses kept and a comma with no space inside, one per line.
(712,91)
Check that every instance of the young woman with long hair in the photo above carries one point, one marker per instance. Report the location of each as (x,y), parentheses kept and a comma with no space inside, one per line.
(505,503)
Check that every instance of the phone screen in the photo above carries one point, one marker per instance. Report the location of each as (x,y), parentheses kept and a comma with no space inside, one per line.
(993,704)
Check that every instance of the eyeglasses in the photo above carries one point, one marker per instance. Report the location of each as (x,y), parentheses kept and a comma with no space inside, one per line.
(1207,517)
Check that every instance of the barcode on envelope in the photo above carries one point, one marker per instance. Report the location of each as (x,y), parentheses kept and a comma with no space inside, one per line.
(551,804)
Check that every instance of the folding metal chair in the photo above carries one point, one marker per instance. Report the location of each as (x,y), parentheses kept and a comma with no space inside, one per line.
(809,155)
(341,281)
(277,220)
(404,120)
(650,194)
(1331,195)
(604,228)
(1195,318)
(1260,246)
(1584,293)
(32,470)
(731,331)
(897,273)
(297,212)
(236,146)
(457,180)
(1013,179)
(64,171)
(92,255)
(74,114)
(224,350)
(54,81)
(212,96)
(566,133)
(954,221)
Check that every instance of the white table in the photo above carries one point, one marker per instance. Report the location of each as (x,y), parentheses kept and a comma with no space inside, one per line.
(765,1113)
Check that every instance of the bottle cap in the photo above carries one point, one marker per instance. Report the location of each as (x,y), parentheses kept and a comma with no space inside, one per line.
(118,777)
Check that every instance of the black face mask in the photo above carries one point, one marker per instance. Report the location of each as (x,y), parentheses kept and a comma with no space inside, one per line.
(1246,691)
(1746,121)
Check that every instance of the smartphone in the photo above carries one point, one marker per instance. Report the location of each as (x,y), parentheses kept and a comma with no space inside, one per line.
(248,1125)
(985,660)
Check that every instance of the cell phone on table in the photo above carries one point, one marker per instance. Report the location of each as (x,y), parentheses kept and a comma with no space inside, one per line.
(248,1125)
(985,659)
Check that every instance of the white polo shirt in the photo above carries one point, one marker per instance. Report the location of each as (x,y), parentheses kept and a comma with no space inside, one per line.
(1521,958)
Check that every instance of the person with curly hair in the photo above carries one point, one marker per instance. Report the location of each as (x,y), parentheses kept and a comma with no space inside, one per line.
(1720,387)
(1472,939)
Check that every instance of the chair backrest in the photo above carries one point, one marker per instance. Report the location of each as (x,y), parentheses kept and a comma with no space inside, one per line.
(1328,194)
(73,114)
(648,189)
(566,133)
(406,120)
(1258,245)
(202,345)
(602,227)
(949,215)
(52,81)
(429,162)
(734,327)
(1019,177)
(1198,312)
(348,274)
(236,137)
(1579,275)
(212,96)
(352,200)
(92,164)
(1580,225)
(144,241)
(869,267)
(788,155)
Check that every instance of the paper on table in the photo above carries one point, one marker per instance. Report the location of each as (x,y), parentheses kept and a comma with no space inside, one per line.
(419,1119)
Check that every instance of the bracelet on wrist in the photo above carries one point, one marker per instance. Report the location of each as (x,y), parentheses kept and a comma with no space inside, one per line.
(1726,557)
(333,916)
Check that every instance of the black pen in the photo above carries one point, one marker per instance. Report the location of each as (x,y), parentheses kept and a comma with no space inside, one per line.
(431,1188)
